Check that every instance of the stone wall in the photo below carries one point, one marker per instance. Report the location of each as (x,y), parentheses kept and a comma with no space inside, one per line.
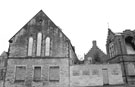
(63,64)
(94,75)
(39,24)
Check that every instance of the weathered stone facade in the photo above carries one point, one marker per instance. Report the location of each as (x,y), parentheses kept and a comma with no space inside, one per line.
(39,48)
(41,55)
(95,75)
(120,49)
(3,60)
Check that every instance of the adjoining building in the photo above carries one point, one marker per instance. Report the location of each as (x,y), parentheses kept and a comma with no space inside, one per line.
(95,55)
(121,50)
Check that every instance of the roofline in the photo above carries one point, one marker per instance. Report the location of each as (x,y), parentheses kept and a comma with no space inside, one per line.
(25,25)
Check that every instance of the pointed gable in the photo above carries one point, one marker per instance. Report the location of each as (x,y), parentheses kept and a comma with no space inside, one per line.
(40,19)
(110,35)
(40,23)
(96,54)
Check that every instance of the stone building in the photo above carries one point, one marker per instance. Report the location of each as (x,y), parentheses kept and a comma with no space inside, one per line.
(121,50)
(95,71)
(96,75)
(95,55)
(3,59)
(39,55)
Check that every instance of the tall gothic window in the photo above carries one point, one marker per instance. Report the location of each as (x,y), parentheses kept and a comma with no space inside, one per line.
(30,46)
(47,48)
(39,40)
(111,50)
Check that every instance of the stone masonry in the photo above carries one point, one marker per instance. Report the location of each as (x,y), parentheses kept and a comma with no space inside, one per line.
(57,57)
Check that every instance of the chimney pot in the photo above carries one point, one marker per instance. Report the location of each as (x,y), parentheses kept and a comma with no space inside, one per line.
(94,43)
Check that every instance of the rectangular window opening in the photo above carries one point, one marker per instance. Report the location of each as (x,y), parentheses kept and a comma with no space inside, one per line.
(54,74)
(76,73)
(37,73)
(20,73)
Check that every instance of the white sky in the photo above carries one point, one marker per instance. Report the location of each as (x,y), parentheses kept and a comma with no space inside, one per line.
(81,20)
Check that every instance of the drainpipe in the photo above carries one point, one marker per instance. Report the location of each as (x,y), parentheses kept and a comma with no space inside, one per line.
(69,60)
(123,60)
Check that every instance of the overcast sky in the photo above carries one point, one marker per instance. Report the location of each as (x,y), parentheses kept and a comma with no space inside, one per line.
(81,20)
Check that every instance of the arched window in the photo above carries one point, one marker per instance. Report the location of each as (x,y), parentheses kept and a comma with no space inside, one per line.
(30,46)
(90,60)
(47,47)
(39,40)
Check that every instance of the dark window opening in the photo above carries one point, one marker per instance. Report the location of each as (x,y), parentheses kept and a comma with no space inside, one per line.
(97,58)
(37,73)
(76,73)
(86,72)
(130,45)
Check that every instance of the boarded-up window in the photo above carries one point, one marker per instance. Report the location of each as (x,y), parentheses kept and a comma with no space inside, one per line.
(39,40)
(86,72)
(131,69)
(37,73)
(54,74)
(30,46)
(20,73)
(47,48)
(76,73)
(95,72)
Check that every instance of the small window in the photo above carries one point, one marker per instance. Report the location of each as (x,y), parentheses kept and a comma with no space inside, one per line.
(90,60)
(76,73)
(86,72)
(95,72)
(54,74)
(30,46)
(20,73)
(39,40)
(131,69)
(37,73)
(47,49)
(111,50)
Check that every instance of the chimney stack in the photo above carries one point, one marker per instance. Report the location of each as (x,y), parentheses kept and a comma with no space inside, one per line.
(94,43)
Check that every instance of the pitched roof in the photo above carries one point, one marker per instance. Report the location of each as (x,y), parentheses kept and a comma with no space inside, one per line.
(43,15)
(94,51)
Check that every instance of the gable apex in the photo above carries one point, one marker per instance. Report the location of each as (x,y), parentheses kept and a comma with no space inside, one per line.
(110,31)
(40,19)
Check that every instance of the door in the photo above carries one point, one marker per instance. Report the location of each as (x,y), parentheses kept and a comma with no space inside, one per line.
(105,76)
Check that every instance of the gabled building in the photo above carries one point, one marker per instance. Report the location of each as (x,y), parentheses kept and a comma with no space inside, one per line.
(121,49)
(95,55)
(39,55)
